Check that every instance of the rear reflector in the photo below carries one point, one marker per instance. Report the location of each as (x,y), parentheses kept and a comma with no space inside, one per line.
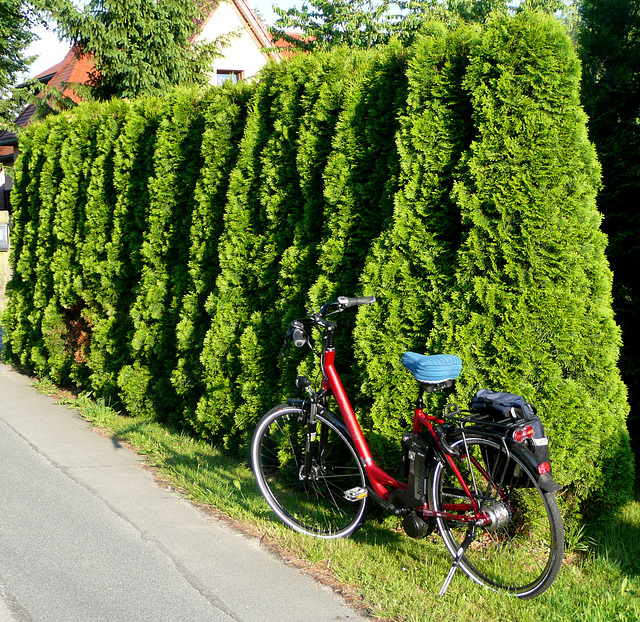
(544,468)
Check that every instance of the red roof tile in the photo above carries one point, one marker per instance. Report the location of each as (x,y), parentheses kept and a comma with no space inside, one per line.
(72,70)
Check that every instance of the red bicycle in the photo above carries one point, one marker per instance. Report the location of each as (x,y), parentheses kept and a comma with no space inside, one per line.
(482,476)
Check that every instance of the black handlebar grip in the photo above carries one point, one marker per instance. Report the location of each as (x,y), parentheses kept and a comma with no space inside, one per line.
(346,302)
(298,338)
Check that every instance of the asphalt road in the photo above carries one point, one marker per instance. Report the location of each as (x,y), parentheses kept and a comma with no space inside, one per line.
(87,535)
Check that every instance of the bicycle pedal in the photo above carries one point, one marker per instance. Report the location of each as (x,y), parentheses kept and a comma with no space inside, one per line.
(355,494)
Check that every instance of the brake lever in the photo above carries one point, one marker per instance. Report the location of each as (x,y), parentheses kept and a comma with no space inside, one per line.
(285,346)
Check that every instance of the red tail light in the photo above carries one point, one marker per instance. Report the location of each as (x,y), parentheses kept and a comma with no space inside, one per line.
(522,434)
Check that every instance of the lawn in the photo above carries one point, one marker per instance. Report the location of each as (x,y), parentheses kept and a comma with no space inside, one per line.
(379,569)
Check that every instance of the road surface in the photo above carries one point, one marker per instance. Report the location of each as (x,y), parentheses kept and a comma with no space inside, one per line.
(86,534)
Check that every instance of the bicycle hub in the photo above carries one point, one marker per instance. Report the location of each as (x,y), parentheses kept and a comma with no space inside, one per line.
(499,514)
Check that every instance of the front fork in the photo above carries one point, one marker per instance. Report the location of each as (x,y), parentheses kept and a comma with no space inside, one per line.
(314,448)
(310,411)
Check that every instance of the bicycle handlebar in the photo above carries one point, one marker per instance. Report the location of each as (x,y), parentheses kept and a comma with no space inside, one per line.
(346,302)
(297,332)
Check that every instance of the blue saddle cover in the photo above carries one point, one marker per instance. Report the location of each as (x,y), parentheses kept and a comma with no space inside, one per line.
(432,369)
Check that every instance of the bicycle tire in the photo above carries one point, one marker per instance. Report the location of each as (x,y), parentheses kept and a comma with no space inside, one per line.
(315,505)
(521,552)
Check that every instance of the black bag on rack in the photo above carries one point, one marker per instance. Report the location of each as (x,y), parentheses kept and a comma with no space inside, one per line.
(500,406)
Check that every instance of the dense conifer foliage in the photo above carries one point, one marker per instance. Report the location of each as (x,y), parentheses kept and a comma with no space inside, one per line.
(162,246)
(138,47)
(15,23)
(609,47)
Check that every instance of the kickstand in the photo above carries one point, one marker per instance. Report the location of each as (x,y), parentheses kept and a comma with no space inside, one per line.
(456,560)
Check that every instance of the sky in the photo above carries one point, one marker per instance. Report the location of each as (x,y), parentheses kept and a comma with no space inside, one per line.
(49,51)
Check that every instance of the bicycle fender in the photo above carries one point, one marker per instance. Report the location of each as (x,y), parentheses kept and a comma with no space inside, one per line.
(327,414)
(545,481)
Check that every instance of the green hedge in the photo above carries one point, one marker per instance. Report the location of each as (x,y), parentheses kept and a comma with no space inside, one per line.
(162,246)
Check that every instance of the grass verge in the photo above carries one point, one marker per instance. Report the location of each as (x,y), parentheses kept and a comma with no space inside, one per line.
(380,570)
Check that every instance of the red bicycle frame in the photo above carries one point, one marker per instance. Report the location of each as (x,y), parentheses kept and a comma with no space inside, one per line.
(379,480)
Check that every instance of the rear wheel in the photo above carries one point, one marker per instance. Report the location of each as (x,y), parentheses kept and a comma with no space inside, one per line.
(521,550)
(309,475)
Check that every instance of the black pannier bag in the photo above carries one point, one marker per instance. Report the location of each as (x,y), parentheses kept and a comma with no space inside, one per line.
(499,406)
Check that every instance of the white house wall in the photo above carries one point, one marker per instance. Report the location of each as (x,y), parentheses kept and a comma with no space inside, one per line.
(243,53)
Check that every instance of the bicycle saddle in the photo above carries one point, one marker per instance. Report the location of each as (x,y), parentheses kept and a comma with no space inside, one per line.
(434,369)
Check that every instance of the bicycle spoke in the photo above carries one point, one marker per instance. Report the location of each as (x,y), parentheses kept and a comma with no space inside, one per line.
(521,549)
(314,503)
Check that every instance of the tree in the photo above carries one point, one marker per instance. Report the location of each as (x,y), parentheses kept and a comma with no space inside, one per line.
(330,23)
(531,311)
(139,47)
(325,24)
(15,20)
(410,266)
(609,47)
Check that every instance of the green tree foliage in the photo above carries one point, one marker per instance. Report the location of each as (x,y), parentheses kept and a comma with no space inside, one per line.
(327,85)
(15,36)
(119,263)
(21,323)
(50,354)
(145,384)
(411,264)
(416,14)
(453,179)
(364,24)
(264,198)
(238,250)
(97,282)
(65,314)
(225,111)
(531,309)
(139,47)
(609,47)
(360,180)
(327,24)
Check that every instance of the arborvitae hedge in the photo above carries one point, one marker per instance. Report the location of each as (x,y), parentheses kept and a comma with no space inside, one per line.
(225,112)
(97,271)
(410,265)
(161,246)
(36,180)
(121,264)
(146,384)
(531,305)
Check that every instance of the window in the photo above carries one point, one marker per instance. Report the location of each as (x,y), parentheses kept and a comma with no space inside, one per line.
(4,237)
(223,75)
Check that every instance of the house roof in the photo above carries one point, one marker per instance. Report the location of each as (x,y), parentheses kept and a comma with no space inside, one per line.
(258,29)
(285,49)
(69,70)
(74,69)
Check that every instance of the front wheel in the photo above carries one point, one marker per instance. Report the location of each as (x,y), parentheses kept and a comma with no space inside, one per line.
(521,550)
(310,475)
